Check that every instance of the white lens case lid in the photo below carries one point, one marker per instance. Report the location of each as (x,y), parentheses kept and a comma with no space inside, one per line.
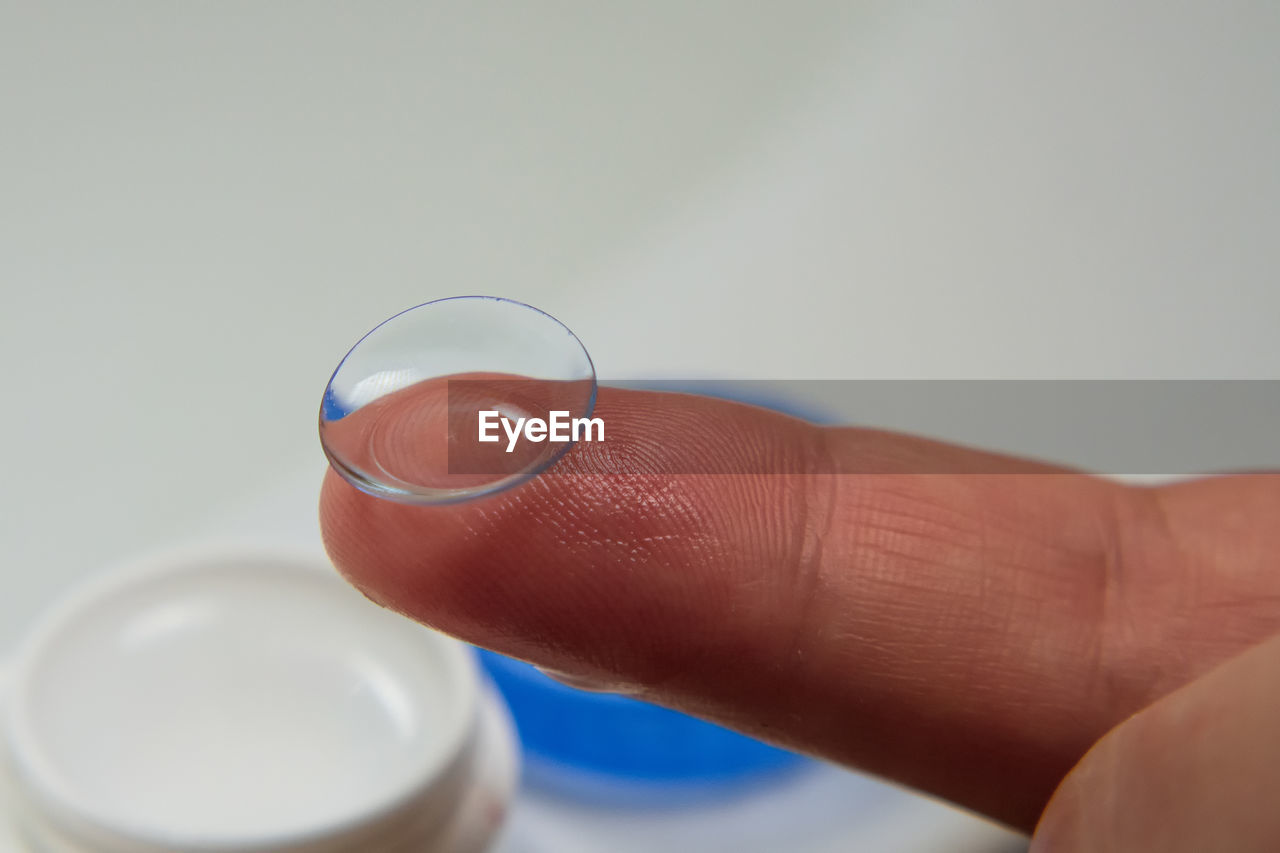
(235,700)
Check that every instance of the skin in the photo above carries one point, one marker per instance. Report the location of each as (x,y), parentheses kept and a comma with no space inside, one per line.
(967,624)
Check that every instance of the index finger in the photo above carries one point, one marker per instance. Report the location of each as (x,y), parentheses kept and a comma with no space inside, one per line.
(932,614)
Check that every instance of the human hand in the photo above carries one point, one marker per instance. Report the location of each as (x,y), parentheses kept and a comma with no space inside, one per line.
(957,621)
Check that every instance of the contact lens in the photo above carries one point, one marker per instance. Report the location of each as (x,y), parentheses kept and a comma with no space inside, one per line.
(455,399)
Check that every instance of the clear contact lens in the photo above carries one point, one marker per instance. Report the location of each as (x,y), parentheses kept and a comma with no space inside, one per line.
(455,399)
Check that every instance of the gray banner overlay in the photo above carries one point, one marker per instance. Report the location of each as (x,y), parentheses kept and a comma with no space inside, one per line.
(1120,427)
(1140,427)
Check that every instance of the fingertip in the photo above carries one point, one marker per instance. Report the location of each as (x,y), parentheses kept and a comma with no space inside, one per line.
(615,558)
